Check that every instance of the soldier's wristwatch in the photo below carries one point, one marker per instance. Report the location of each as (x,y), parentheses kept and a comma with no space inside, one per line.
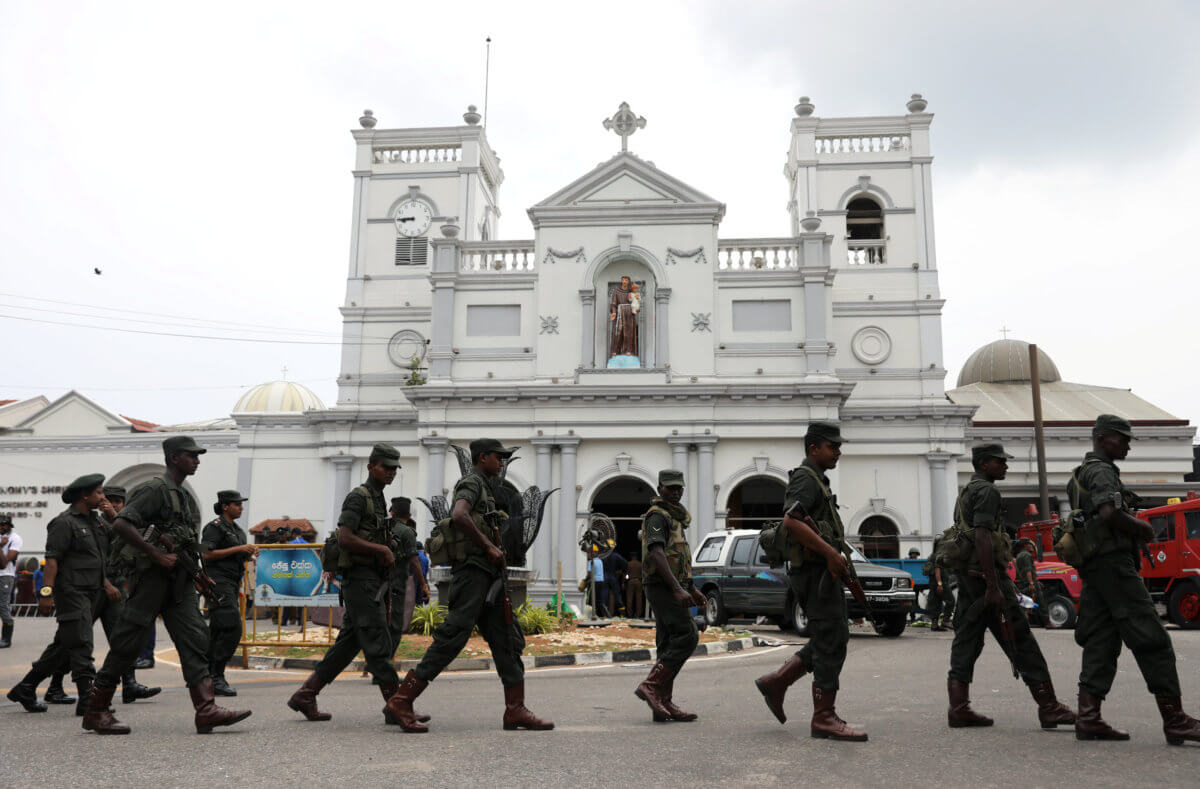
(46,591)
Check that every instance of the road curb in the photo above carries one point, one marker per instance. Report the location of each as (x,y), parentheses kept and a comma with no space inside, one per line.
(532,661)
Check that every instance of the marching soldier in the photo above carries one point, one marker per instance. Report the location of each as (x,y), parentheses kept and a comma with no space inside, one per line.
(1026,571)
(941,599)
(477,567)
(1115,606)
(159,527)
(404,535)
(812,553)
(367,556)
(75,584)
(667,584)
(225,555)
(987,600)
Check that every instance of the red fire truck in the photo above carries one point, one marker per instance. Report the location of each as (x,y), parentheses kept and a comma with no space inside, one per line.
(1174,580)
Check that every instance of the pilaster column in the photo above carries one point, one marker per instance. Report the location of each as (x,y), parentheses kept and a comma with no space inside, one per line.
(941,489)
(341,465)
(567,505)
(680,446)
(443,277)
(542,560)
(435,470)
(706,497)
(817,275)
(662,324)
(587,314)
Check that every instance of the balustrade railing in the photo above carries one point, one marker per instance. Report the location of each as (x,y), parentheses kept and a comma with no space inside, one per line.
(867,144)
(866,253)
(497,256)
(410,154)
(757,254)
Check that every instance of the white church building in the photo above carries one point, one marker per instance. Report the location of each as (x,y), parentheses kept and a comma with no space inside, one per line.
(729,349)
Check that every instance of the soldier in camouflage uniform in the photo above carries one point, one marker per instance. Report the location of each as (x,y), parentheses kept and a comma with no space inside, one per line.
(941,598)
(160,531)
(404,536)
(366,560)
(1026,581)
(667,584)
(985,595)
(225,555)
(813,554)
(473,571)
(74,583)
(1115,606)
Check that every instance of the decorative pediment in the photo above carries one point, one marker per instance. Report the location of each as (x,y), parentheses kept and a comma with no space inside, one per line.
(73,414)
(625,187)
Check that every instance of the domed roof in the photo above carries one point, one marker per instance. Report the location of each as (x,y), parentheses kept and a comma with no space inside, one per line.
(1006,361)
(278,397)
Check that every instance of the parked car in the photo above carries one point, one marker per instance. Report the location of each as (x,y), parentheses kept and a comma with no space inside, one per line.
(729,568)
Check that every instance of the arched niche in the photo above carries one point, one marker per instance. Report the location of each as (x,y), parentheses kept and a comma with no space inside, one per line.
(602,273)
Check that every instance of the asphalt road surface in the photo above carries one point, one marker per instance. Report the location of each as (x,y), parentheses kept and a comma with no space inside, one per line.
(895,688)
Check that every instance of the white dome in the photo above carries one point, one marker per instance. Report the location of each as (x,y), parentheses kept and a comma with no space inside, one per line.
(1006,361)
(278,397)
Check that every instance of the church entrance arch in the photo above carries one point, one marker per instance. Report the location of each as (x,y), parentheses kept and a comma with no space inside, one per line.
(624,500)
(880,538)
(754,503)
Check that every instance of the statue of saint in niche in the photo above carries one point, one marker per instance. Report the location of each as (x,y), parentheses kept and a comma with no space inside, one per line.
(624,307)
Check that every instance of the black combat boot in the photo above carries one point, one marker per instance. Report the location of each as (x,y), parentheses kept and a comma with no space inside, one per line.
(25,692)
(55,694)
(773,686)
(1177,724)
(84,687)
(6,632)
(132,690)
(1088,723)
(221,687)
(960,714)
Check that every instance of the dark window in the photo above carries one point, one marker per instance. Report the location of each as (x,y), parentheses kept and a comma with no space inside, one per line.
(742,550)
(760,557)
(1192,519)
(864,220)
(1164,527)
(710,551)
(412,251)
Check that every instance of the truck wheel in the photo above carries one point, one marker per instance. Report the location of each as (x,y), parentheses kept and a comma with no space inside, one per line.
(714,610)
(892,625)
(799,619)
(781,622)
(1060,612)
(1184,607)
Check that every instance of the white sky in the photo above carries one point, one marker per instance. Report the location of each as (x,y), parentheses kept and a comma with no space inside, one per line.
(200,156)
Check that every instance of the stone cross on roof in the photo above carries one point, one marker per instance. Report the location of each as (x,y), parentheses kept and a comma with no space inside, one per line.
(624,123)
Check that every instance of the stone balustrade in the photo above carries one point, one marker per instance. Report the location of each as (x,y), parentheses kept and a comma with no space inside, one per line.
(864,144)
(497,256)
(408,154)
(757,254)
(866,253)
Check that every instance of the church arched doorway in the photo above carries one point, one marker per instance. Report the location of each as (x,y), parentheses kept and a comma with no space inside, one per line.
(880,538)
(755,502)
(625,500)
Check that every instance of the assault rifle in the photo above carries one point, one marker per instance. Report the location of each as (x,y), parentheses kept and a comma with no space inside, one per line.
(851,580)
(189,560)
(500,585)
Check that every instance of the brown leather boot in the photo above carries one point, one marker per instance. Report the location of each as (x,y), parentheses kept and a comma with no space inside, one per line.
(304,700)
(399,706)
(1088,723)
(390,719)
(208,714)
(651,689)
(960,714)
(673,712)
(774,686)
(1051,711)
(517,715)
(826,725)
(1177,724)
(99,717)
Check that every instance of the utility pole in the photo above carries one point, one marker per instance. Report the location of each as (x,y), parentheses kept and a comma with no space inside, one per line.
(1039,435)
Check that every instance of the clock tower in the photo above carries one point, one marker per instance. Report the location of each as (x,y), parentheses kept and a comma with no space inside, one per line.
(409,184)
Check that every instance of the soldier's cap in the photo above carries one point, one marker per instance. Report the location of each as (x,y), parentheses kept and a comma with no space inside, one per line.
(114,492)
(481,445)
(1114,423)
(824,431)
(914,552)
(5,520)
(984,451)
(402,505)
(670,478)
(230,496)
(386,454)
(85,484)
(182,444)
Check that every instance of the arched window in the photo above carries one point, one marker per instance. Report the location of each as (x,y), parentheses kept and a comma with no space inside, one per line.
(880,538)
(754,503)
(864,220)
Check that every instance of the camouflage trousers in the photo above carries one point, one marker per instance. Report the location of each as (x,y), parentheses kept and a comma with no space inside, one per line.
(972,621)
(675,633)
(828,624)
(1116,608)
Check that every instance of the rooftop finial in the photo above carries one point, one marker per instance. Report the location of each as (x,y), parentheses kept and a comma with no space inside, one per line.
(471,116)
(917,103)
(624,123)
(368,120)
(805,107)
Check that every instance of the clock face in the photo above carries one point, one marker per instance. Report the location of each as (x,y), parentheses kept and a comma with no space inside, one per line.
(413,218)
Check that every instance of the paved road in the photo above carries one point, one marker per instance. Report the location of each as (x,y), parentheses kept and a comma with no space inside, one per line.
(894,688)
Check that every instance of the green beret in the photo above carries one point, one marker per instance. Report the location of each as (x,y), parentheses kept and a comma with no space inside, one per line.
(984,451)
(182,444)
(481,445)
(824,431)
(1114,423)
(670,478)
(386,454)
(85,484)
(114,492)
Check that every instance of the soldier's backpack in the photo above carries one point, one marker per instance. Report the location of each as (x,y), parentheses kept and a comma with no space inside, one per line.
(1070,537)
(773,540)
(954,548)
(446,544)
(331,553)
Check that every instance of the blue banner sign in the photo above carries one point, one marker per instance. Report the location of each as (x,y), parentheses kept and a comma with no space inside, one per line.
(292,577)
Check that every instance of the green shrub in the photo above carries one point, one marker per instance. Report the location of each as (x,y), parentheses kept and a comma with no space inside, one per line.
(426,618)
(534,620)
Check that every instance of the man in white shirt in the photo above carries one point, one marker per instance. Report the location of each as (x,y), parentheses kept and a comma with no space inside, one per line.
(10,549)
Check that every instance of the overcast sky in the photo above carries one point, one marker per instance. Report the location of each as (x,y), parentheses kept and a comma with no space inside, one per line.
(200,157)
